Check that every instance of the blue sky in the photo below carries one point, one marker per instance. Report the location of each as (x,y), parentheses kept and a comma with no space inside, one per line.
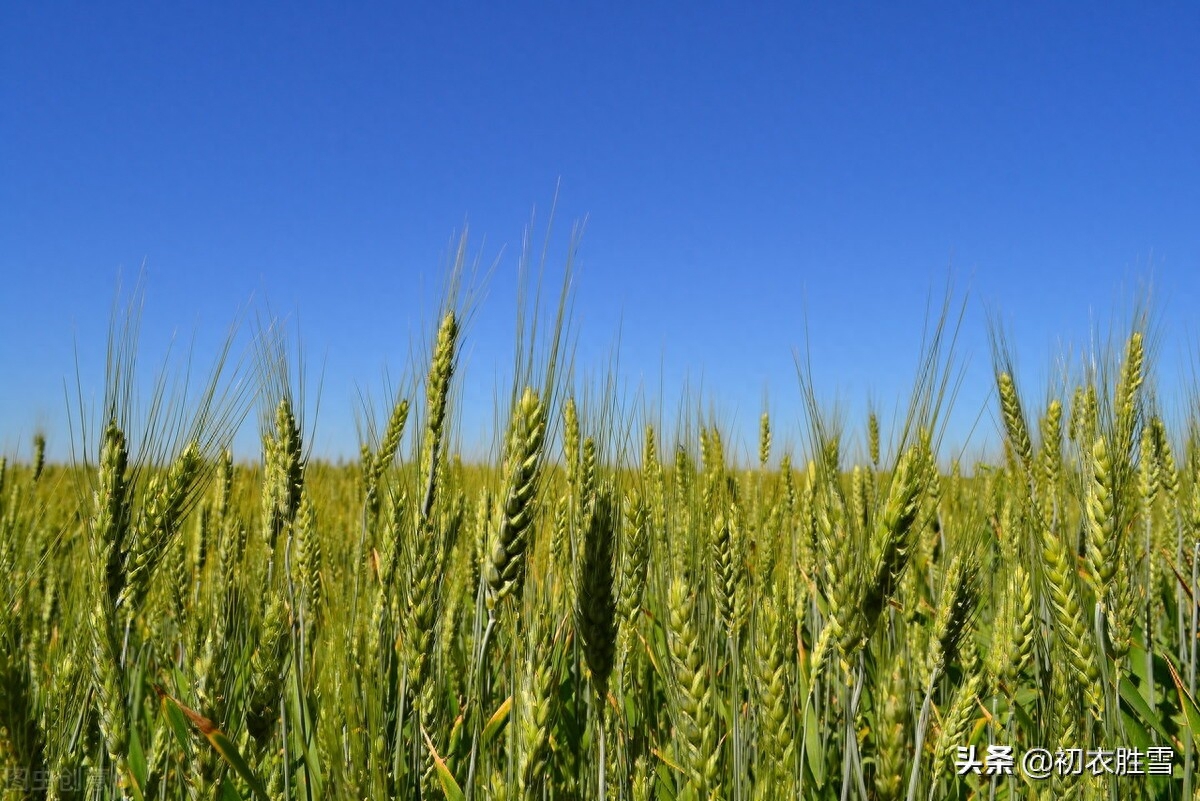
(753,176)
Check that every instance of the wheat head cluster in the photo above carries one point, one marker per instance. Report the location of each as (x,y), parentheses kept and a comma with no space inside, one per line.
(616,606)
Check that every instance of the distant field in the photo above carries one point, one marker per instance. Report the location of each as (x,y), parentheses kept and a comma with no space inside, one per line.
(605,613)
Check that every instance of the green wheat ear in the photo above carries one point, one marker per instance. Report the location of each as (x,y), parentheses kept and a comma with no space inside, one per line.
(891,549)
(376,464)
(1014,420)
(1019,619)
(764,440)
(39,455)
(1102,524)
(595,606)
(571,442)
(873,438)
(538,705)
(954,611)
(696,744)
(108,530)
(1063,592)
(1127,401)
(957,723)
(160,524)
(283,467)
(635,560)
(774,691)
(308,567)
(1050,456)
(437,397)
(527,433)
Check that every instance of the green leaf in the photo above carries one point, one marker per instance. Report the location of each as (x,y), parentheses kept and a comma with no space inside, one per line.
(1137,702)
(1191,714)
(1024,720)
(309,762)
(668,772)
(219,741)
(138,770)
(445,777)
(1138,736)
(666,779)
(496,723)
(178,724)
(229,752)
(813,748)
(228,791)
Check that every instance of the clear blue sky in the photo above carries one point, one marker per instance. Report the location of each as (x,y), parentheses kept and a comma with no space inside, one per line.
(746,171)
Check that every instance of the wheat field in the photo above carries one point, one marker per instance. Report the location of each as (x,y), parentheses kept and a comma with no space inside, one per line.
(617,606)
